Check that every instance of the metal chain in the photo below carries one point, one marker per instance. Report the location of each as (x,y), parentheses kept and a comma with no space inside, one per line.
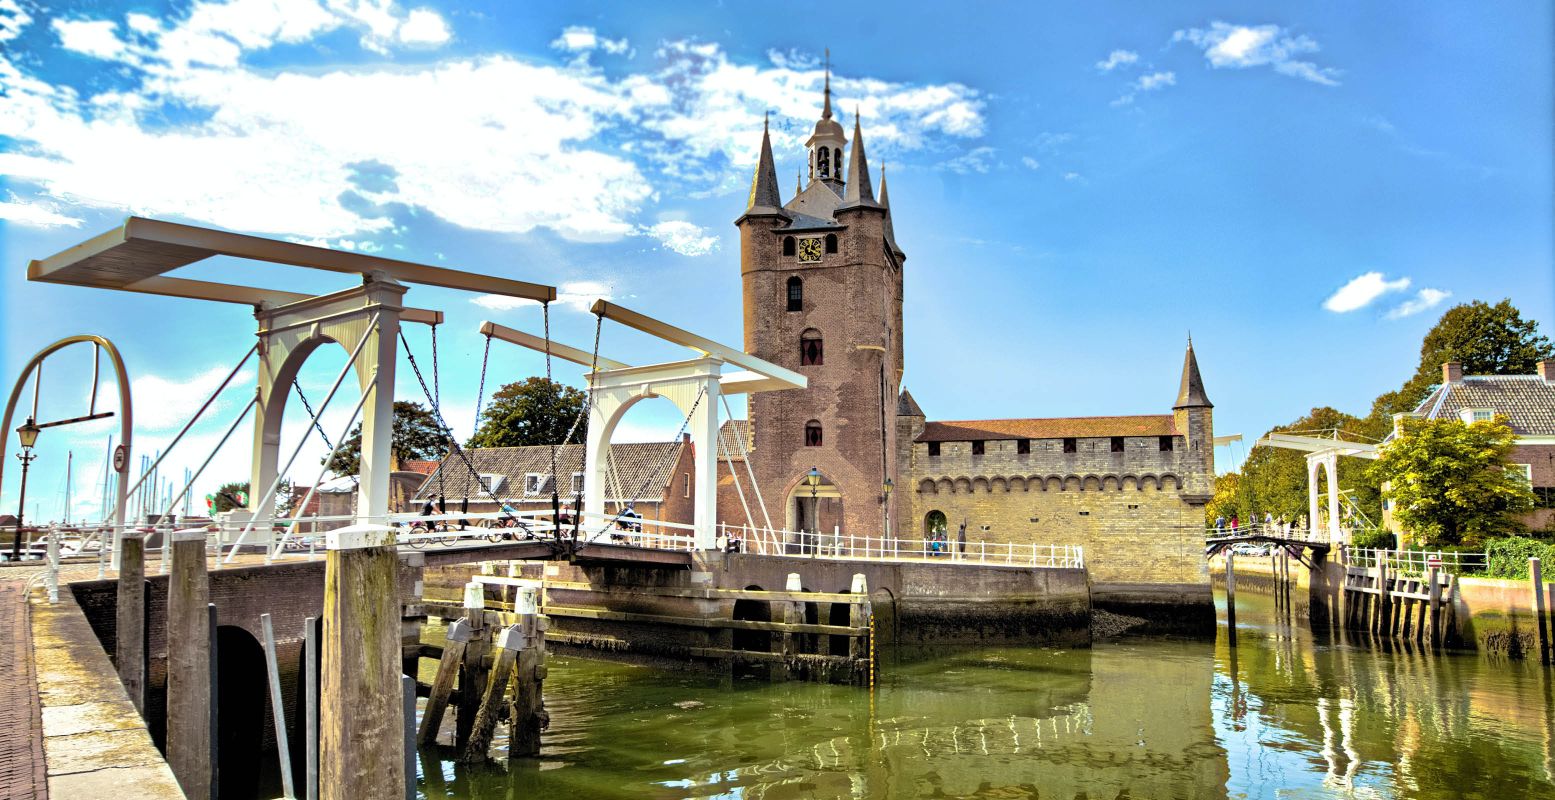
(480,394)
(308,407)
(437,414)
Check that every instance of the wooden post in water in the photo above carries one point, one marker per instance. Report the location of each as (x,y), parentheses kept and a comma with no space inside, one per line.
(1231,597)
(1540,616)
(129,652)
(857,618)
(528,716)
(1434,607)
(793,614)
(472,671)
(443,685)
(189,665)
(1380,609)
(508,644)
(362,715)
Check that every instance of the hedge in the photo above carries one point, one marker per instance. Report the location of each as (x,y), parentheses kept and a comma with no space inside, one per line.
(1508,557)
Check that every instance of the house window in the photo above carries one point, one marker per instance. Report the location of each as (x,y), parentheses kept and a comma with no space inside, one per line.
(810,350)
(795,293)
(1023,447)
(1117,444)
(1071,445)
(1166,444)
(1523,471)
(491,483)
(685,484)
(788,245)
(812,433)
(933,449)
(1477,415)
(831,242)
(577,483)
(535,483)
(977,448)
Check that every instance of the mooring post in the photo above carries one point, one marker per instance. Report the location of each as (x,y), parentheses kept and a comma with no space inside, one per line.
(858,644)
(310,677)
(528,715)
(360,670)
(189,730)
(472,671)
(509,642)
(1434,591)
(408,741)
(442,686)
(1540,618)
(1231,597)
(130,645)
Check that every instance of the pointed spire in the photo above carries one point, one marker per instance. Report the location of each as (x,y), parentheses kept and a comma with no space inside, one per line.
(859,192)
(826,109)
(1191,394)
(906,406)
(798,181)
(764,184)
(885,203)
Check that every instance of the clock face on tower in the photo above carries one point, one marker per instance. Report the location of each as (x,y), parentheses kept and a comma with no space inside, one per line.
(809,250)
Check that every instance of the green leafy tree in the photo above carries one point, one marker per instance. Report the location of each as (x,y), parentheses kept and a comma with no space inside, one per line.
(416,436)
(1486,339)
(1224,502)
(229,496)
(533,411)
(1449,483)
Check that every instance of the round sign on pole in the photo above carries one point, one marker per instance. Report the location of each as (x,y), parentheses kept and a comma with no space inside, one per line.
(119,457)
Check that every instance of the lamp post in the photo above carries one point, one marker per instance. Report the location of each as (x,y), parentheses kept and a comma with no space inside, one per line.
(886,502)
(28,434)
(813,480)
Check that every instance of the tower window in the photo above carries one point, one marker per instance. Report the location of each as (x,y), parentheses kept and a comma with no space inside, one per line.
(1117,444)
(1071,445)
(831,242)
(788,245)
(810,349)
(1023,447)
(1166,444)
(977,448)
(837,159)
(812,433)
(823,162)
(934,449)
(795,289)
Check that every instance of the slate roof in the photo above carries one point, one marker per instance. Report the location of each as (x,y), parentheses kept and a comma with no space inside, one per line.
(1055,428)
(906,406)
(815,207)
(638,465)
(1527,400)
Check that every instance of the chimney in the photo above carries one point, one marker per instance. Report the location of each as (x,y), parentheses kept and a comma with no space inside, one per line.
(1547,370)
(1452,372)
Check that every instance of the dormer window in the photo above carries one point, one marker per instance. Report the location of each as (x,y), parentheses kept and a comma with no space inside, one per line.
(1472,415)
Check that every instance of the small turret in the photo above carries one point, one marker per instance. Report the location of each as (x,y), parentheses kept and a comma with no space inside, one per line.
(1194,418)
(765,199)
(1191,394)
(890,232)
(859,192)
(826,142)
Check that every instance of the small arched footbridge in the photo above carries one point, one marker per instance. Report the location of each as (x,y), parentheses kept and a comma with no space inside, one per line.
(1297,541)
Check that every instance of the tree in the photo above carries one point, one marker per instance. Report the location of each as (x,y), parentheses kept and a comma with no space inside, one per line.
(1224,502)
(1449,483)
(416,436)
(1274,480)
(1486,339)
(534,411)
(229,496)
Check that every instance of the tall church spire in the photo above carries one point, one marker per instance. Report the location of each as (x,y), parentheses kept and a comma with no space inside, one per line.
(826,143)
(885,203)
(826,107)
(859,192)
(764,184)
(1191,394)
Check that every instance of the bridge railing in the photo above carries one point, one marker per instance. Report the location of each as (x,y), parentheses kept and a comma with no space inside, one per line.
(1273,530)
(838,545)
(1418,562)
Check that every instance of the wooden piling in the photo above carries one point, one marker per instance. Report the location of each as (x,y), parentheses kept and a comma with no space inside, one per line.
(485,722)
(527,717)
(1231,597)
(130,620)
(793,614)
(1540,614)
(442,686)
(359,735)
(472,670)
(189,731)
(857,616)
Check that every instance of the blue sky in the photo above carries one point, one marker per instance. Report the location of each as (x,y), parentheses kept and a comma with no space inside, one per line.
(1303,186)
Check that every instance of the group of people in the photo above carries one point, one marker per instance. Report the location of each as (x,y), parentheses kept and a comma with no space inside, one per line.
(939,541)
(1271,524)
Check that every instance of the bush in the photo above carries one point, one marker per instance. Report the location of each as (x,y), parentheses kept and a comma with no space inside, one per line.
(1373,540)
(1508,557)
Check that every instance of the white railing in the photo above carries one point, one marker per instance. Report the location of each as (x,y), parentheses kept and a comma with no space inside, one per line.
(1417,562)
(838,545)
(1275,530)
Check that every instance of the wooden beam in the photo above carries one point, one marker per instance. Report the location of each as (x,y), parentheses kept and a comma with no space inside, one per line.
(247,295)
(536,343)
(733,355)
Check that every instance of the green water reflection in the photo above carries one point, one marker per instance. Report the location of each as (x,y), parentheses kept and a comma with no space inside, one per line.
(1280,716)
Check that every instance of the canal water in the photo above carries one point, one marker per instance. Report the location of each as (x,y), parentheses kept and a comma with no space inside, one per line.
(1282,715)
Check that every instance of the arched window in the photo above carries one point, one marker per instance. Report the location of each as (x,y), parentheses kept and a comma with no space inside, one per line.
(823,162)
(795,293)
(812,433)
(810,350)
(831,242)
(935,525)
(788,245)
(837,159)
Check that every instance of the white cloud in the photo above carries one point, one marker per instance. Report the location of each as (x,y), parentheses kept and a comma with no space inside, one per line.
(164,404)
(97,38)
(685,238)
(1030,163)
(35,215)
(13,19)
(1242,46)
(1155,80)
(582,39)
(1424,300)
(1074,177)
(580,295)
(424,26)
(1117,58)
(978,159)
(1361,291)
(502,302)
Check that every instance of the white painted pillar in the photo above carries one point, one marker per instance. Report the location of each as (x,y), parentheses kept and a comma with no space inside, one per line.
(1312,506)
(375,372)
(1335,534)
(603,406)
(704,438)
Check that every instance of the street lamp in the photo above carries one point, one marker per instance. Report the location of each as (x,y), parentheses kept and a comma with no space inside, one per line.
(813,480)
(886,502)
(28,434)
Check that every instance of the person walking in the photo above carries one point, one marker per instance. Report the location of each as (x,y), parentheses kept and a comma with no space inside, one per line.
(1235,520)
(1220,525)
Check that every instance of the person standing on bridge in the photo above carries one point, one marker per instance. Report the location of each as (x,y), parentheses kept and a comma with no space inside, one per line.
(1220,525)
(1234,523)
(426,508)
(1268,521)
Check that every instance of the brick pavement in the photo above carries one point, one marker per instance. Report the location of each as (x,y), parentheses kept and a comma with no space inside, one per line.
(22,770)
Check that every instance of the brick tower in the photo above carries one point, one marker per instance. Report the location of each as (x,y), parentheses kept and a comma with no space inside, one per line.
(822,282)
(1194,417)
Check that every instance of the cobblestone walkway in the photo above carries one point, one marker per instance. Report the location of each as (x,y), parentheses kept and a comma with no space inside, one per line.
(22,773)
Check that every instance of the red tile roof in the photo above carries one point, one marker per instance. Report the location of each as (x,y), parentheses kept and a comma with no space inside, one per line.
(423,467)
(1054,428)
